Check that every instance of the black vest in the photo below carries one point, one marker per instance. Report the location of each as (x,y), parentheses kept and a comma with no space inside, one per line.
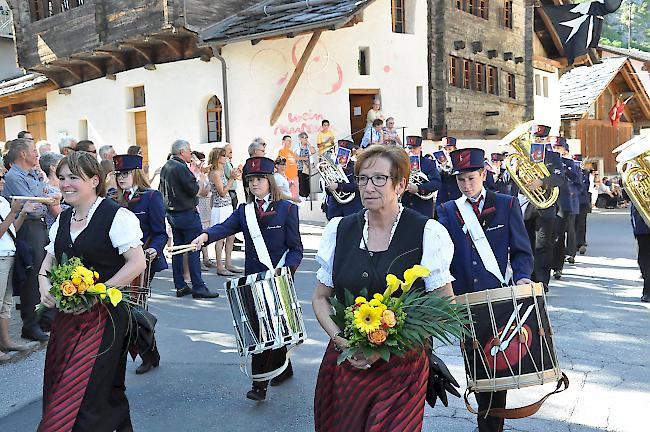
(355,269)
(93,245)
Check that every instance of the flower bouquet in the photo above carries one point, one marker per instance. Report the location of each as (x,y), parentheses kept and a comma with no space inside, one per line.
(75,287)
(394,325)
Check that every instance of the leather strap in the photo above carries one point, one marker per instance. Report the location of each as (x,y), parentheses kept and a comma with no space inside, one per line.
(521,412)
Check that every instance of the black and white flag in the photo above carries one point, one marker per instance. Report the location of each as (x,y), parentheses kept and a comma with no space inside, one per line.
(579,25)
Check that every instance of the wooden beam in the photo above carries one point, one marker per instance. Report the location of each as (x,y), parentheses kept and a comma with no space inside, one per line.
(297,73)
(139,50)
(170,43)
(115,55)
(551,29)
(90,62)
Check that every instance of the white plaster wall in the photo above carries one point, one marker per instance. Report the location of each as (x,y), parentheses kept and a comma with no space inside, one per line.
(177,93)
(547,109)
(13,125)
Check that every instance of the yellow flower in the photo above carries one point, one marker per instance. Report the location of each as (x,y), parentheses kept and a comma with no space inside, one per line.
(96,275)
(68,289)
(99,288)
(76,280)
(392,283)
(377,337)
(102,296)
(388,319)
(360,300)
(88,280)
(82,287)
(378,297)
(413,274)
(114,295)
(367,318)
(374,303)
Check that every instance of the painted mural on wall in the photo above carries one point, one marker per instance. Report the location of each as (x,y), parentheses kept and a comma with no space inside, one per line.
(323,75)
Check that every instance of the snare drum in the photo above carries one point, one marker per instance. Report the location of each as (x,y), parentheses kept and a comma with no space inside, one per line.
(265,310)
(510,343)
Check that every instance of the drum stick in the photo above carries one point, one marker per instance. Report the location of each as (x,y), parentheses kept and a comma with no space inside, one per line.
(35,199)
(177,247)
(190,248)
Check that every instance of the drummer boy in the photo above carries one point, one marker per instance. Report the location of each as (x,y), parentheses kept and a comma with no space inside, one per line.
(500,219)
(277,220)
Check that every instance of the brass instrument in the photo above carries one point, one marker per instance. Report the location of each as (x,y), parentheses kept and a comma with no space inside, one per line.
(417,178)
(634,168)
(523,171)
(333,173)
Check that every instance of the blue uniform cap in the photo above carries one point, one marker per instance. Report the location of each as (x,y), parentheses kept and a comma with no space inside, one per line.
(540,130)
(259,166)
(467,159)
(578,157)
(560,141)
(346,144)
(413,141)
(127,162)
(449,142)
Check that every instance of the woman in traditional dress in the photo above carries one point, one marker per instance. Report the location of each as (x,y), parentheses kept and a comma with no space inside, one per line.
(135,193)
(280,228)
(356,253)
(83,385)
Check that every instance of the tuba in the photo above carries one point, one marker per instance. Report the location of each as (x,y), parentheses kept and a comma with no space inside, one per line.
(333,173)
(417,178)
(523,171)
(634,168)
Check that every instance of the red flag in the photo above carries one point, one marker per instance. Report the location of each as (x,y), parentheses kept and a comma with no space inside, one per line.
(617,110)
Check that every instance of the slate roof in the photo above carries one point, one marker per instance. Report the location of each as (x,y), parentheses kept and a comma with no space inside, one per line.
(270,18)
(20,84)
(580,87)
(643,56)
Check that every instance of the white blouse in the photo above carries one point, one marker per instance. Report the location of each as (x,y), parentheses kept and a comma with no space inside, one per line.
(125,232)
(438,250)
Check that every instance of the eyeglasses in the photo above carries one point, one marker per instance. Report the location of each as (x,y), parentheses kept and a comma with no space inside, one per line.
(122,174)
(377,180)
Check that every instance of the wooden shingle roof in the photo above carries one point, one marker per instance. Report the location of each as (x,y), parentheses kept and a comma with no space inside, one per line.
(271,18)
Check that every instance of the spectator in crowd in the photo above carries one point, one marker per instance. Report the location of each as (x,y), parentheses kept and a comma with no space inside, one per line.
(374,113)
(87,146)
(107,152)
(23,179)
(606,198)
(134,150)
(232,191)
(180,189)
(391,134)
(197,166)
(325,136)
(373,134)
(288,152)
(43,147)
(257,148)
(281,179)
(67,145)
(222,206)
(48,163)
(25,134)
(303,159)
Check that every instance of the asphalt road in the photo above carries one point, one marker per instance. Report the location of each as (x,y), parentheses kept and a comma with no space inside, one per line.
(601,332)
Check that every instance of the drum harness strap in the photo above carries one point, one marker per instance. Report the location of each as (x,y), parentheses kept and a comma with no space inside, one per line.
(490,263)
(264,257)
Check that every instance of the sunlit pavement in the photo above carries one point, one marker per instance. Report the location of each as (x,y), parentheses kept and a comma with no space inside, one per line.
(602,333)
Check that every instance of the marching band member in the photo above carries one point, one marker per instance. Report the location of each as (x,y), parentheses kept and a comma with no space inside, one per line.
(426,167)
(585,207)
(540,223)
(568,208)
(501,175)
(279,226)
(135,193)
(505,237)
(449,188)
(335,208)
(642,236)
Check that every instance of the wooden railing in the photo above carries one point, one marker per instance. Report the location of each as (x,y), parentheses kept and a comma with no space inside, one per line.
(41,9)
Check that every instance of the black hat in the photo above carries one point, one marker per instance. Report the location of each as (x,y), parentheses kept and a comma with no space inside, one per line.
(346,144)
(258,166)
(413,141)
(498,157)
(560,141)
(280,160)
(449,141)
(467,159)
(540,130)
(127,162)
(578,157)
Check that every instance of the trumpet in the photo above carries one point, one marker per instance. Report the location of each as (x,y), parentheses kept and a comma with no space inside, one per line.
(634,168)
(333,173)
(523,171)
(417,178)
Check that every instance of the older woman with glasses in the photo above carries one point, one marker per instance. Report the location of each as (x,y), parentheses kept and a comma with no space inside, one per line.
(281,179)
(391,134)
(356,253)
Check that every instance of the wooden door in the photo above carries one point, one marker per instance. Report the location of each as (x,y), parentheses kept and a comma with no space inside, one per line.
(36,125)
(141,137)
(599,138)
(360,103)
(3,134)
